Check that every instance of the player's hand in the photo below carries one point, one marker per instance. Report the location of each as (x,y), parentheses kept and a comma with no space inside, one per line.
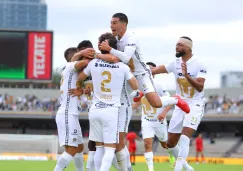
(105,46)
(161,117)
(88,53)
(184,68)
(75,92)
(87,91)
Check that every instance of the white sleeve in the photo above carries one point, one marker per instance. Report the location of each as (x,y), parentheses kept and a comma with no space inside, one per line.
(169,67)
(202,71)
(128,73)
(87,70)
(129,50)
(71,66)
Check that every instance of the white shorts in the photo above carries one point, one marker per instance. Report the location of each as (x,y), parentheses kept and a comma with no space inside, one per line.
(104,125)
(192,120)
(69,130)
(149,130)
(125,114)
(146,83)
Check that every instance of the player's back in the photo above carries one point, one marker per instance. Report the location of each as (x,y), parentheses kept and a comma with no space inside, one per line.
(108,80)
(69,104)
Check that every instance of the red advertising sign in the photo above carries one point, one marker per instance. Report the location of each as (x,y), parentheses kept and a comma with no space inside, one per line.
(39,56)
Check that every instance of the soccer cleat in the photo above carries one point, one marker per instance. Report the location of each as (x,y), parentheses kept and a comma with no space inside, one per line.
(172,160)
(182,104)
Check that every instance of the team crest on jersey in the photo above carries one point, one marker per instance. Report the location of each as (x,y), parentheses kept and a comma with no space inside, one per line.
(74,139)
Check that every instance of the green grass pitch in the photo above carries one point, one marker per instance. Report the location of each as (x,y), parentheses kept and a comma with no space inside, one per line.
(49,166)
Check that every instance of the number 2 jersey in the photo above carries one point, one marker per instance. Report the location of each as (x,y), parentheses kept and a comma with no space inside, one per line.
(69,80)
(108,80)
(196,69)
(149,113)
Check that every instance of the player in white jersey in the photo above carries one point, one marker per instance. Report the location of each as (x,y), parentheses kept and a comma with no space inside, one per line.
(108,79)
(129,52)
(153,123)
(190,74)
(69,130)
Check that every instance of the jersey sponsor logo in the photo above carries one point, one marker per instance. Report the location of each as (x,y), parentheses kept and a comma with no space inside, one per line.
(203,71)
(106,65)
(132,44)
(103,105)
(180,74)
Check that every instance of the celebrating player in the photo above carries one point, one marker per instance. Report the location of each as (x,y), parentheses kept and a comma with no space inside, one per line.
(130,53)
(190,74)
(69,130)
(108,80)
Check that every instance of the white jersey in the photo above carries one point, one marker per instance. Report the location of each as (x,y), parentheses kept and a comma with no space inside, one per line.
(195,69)
(125,96)
(69,80)
(108,79)
(129,42)
(150,113)
(89,84)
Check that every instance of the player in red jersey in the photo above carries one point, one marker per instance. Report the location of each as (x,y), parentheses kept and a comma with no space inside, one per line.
(199,147)
(131,138)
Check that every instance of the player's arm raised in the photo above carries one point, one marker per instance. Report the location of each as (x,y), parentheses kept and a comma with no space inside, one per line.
(108,58)
(88,53)
(197,83)
(85,73)
(123,56)
(80,65)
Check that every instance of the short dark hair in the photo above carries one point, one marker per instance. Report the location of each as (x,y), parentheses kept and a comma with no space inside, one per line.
(151,63)
(69,52)
(122,17)
(111,40)
(185,37)
(85,44)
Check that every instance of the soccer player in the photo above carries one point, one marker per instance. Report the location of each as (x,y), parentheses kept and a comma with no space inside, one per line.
(190,74)
(199,147)
(154,123)
(132,146)
(69,130)
(108,80)
(130,53)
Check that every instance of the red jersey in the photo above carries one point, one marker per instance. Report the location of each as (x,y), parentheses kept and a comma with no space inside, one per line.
(199,143)
(131,138)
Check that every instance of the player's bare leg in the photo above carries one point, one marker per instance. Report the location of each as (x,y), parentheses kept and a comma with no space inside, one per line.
(68,155)
(184,150)
(90,161)
(121,153)
(149,156)
(156,101)
(171,157)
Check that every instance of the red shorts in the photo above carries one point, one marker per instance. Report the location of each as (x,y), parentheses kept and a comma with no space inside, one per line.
(199,149)
(132,148)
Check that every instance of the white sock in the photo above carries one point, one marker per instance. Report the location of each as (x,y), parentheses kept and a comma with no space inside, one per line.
(63,161)
(129,165)
(167,100)
(98,157)
(107,158)
(79,161)
(122,160)
(183,152)
(90,161)
(149,156)
(175,150)
(114,163)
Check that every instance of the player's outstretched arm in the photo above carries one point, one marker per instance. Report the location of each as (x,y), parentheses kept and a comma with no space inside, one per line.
(108,58)
(88,53)
(80,65)
(136,105)
(133,83)
(159,69)
(82,76)
(163,114)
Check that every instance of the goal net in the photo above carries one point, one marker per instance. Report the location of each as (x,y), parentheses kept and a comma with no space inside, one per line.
(28,147)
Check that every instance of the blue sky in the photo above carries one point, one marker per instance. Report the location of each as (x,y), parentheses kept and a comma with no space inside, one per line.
(216,28)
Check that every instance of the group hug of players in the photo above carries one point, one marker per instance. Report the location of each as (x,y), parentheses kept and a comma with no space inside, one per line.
(107,81)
